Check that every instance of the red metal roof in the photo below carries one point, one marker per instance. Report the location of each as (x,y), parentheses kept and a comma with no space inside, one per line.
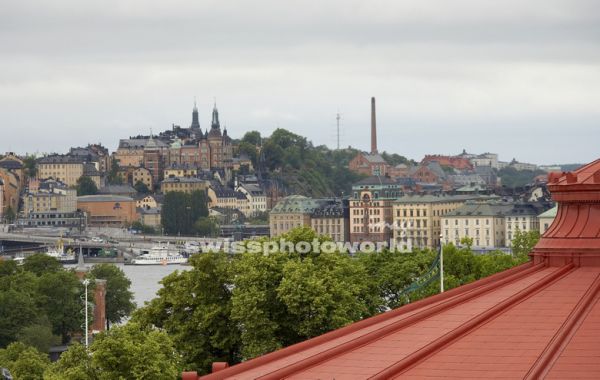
(538,320)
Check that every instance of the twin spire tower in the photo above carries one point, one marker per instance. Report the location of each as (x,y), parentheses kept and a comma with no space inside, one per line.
(215,124)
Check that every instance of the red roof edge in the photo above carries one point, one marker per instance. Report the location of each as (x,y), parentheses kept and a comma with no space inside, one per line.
(454,335)
(261,360)
(563,336)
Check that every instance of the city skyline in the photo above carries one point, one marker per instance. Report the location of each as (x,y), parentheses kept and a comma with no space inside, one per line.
(517,79)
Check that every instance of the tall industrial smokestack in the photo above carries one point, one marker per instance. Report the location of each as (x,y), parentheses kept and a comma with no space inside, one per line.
(373,128)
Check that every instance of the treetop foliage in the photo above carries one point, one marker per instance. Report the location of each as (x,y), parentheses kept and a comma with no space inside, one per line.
(233,308)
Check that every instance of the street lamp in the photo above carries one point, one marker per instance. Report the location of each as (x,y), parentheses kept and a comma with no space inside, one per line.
(86,282)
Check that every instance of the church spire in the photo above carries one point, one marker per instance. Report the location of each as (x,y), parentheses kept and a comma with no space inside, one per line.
(195,123)
(215,118)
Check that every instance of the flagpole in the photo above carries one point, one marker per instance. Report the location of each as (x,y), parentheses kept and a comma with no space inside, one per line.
(441,266)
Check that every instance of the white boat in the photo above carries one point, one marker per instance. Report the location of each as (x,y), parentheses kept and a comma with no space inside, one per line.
(59,253)
(160,254)
(191,247)
(20,260)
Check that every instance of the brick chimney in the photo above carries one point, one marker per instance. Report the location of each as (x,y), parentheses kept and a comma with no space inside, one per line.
(373,128)
(100,306)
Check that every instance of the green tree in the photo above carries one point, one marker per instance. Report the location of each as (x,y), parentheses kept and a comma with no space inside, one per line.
(24,362)
(30,164)
(85,186)
(114,176)
(181,210)
(323,293)
(252,137)
(125,352)
(283,298)
(10,215)
(144,228)
(119,298)
(395,159)
(392,272)
(198,203)
(39,335)
(194,308)
(298,166)
(18,304)
(18,310)
(173,211)
(74,364)
(524,241)
(132,352)
(249,150)
(41,263)
(59,294)
(511,177)
(141,187)
(206,226)
(8,267)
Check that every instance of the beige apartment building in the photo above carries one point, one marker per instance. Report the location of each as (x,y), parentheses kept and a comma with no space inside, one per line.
(67,169)
(523,217)
(291,212)
(257,199)
(61,168)
(186,185)
(224,197)
(484,222)
(417,218)
(330,218)
(57,199)
(131,151)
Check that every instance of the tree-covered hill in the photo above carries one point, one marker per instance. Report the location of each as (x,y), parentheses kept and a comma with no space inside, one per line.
(300,167)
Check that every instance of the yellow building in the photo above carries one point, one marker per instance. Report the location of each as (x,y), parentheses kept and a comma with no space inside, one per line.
(15,165)
(61,168)
(142,175)
(50,203)
(186,185)
(150,217)
(67,169)
(10,191)
(417,218)
(484,222)
(178,170)
(52,197)
(148,201)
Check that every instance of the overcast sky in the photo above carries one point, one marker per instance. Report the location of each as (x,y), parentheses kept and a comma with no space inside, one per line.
(516,77)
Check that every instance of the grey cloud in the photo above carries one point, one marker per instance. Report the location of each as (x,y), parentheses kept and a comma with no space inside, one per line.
(508,76)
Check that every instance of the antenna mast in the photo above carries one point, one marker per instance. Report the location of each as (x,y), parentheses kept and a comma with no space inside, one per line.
(337,118)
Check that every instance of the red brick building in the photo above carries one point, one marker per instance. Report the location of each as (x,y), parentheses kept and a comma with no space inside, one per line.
(459,163)
(369,164)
